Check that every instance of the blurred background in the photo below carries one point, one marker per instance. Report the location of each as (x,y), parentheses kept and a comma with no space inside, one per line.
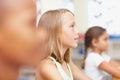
(88,13)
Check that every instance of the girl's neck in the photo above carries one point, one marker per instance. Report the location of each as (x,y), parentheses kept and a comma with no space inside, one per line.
(8,71)
(63,52)
(97,51)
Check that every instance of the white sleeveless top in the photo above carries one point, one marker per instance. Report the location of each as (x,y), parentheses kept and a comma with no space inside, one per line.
(92,69)
(61,71)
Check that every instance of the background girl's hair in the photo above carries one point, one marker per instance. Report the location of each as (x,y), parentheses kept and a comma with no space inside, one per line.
(92,33)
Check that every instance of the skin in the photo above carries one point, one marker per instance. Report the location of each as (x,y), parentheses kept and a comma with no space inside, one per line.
(101,45)
(47,66)
(20,41)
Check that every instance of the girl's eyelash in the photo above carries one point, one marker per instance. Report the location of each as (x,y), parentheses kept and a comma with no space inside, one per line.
(72,26)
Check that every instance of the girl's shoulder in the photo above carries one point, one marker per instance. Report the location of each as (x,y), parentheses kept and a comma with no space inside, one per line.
(94,58)
(46,63)
(94,55)
(47,70)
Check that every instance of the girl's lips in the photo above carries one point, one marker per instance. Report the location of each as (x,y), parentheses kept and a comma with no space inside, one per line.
(76,39)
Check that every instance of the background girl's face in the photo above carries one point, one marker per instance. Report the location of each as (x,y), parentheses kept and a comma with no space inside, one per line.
(69,35)
(103,42)
(19,43)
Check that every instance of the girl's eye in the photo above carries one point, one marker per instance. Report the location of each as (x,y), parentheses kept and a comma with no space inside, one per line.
(106,38)
(72,26)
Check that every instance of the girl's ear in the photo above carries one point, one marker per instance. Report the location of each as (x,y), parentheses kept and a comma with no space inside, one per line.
(94,42)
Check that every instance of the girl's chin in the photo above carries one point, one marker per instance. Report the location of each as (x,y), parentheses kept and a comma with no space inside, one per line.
(74,46)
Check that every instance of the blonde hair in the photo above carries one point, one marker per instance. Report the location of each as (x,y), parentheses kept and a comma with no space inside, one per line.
(52,22)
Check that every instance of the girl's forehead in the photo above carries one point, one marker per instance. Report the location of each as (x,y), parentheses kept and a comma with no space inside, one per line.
(104,35)
(15,4)
(68,18)
(11,9)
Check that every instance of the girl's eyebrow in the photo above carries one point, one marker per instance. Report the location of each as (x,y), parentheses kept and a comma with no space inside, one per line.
(72,22)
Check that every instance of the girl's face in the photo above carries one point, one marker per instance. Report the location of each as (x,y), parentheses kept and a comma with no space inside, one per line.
(103,42)
(69,35)
(19,42)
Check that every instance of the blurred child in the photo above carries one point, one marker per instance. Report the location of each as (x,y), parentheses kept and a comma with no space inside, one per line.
(97,65)
(19,42)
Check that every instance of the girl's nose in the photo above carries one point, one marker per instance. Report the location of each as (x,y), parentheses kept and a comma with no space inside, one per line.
(77,31)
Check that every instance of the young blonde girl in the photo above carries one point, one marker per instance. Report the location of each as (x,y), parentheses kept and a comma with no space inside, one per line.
(63,35)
